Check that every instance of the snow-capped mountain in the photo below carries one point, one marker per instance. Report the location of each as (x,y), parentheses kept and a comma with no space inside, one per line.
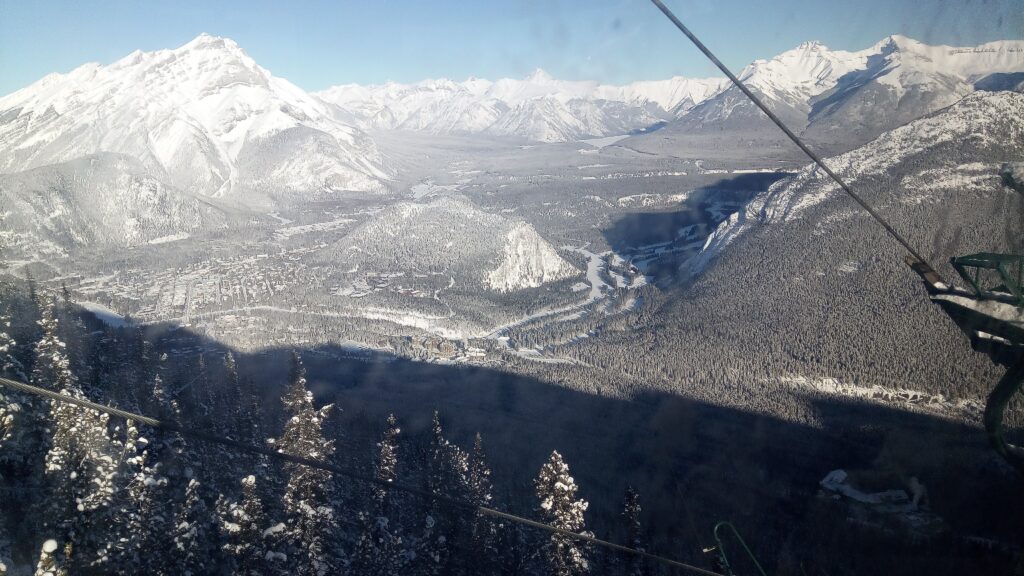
(538,107)
(786,83)
(844,99)
(903,79)
(832,94)
(203,117)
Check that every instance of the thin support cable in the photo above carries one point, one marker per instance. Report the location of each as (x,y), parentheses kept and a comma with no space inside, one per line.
(452,502)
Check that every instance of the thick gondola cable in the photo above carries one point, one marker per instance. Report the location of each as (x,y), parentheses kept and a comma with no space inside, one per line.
(453,502)
(782,126)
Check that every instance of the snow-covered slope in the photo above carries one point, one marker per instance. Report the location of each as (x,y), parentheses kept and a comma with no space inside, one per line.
(786,83)
(528,262)
(903,79)
(100,201)
(203,117)
(538,107)
(451,236)
(805,71)
(951,153)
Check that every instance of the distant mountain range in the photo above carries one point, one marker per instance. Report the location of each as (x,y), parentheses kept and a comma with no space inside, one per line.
(840,99)
(538,107)
(833,94)
(205,117)
(172,140)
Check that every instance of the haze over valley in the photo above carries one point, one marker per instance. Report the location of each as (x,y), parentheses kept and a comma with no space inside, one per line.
(532,256)
(238,204)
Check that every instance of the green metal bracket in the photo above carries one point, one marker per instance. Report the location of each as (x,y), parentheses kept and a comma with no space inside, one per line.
(721,549)
(1010,268)
(995,409)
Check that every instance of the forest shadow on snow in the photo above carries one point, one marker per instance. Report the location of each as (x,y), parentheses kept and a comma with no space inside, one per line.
(693,463)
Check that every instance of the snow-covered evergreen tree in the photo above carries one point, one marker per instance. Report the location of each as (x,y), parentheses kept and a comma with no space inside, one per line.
(248,426)
(81,473)
(22,425)
(232,393)
(140,369)
(194,539)
(98,379)
(479,478)
(237,406)
(51,368)
(9,363)
(71,330)
(379,548)
(556,490)
(386,468)
(161,402)
(120,546)
(436,456)
(246,530)
(80,464)
(177,461)
(202,393)
(221,408)
(214,416)
(50,560)
(483,531)
(310,518)
(632,565)
(142,545)
(431,545)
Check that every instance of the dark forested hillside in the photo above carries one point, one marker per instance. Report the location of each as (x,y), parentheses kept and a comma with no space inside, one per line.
(801,289)
(108,496)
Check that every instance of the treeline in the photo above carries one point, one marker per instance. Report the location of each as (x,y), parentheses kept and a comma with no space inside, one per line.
(86,494)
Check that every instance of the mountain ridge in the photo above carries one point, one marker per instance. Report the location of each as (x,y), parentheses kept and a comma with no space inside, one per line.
(811,86)
(188,114)
(568,109)
(839,100)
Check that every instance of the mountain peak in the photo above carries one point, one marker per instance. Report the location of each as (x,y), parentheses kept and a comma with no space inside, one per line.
(215,47)
(896,43)
(539,75)
(812,45)
(211,63)
(901,39)
(204,40)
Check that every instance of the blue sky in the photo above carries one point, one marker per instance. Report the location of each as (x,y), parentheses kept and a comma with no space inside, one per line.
(318,44)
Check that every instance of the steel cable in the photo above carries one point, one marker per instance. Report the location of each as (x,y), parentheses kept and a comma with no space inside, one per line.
(452,502)
(796,140)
